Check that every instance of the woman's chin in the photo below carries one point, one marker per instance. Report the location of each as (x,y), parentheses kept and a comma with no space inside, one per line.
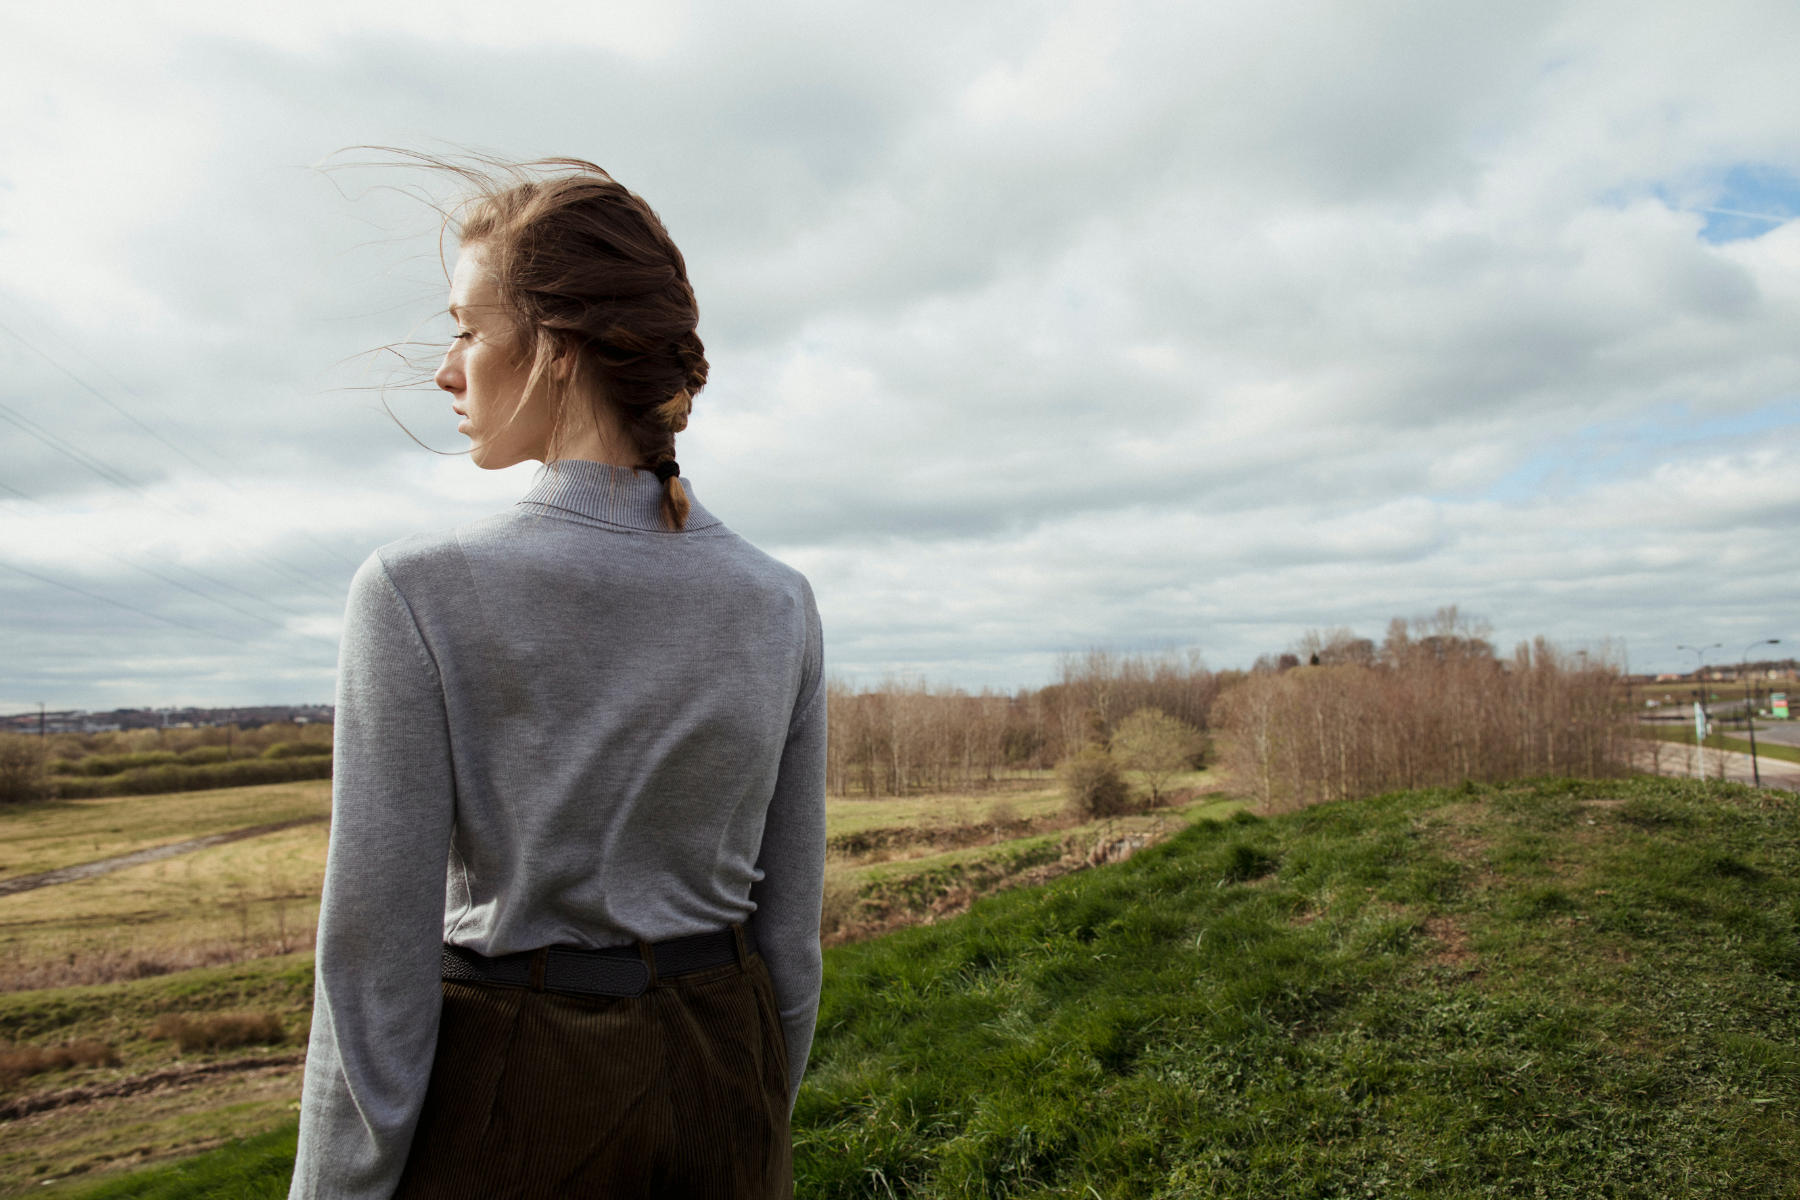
(495,458)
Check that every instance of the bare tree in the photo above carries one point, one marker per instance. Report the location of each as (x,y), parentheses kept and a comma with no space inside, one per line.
(1435,707)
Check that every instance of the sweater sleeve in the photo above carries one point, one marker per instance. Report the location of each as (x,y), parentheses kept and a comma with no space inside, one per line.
(376,994)
(792,863)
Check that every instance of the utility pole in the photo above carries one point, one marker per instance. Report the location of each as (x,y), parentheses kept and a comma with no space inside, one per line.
(1702,719)
(40,721)
(1750,708)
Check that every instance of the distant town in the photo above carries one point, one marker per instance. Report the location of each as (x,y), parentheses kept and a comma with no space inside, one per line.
(81,721)
(254,717)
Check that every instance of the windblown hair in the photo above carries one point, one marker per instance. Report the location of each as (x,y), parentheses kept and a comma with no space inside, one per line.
(585,266)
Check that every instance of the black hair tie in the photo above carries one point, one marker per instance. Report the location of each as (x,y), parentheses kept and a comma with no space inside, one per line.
(666,471)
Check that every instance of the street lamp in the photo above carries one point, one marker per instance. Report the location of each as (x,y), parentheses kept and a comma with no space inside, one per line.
(1701,718)
(1750,707)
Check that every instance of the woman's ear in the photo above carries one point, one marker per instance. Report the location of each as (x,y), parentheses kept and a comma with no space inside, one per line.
(563,362)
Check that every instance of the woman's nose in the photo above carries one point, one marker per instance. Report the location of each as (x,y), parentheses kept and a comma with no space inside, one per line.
(449,376)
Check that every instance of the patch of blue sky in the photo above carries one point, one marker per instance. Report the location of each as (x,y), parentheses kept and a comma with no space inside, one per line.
(1751,201)
(1738,202)
(1742,201)
(1614,449)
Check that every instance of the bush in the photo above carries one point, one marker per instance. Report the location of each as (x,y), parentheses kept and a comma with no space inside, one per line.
(16,1062)
(1156,745)
(179,777)
(220,1032)
(21,769)
(99,765)
(297,749)
(1093,786)
(202,755)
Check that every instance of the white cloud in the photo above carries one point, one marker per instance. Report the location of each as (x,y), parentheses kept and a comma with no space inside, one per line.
(1032,326)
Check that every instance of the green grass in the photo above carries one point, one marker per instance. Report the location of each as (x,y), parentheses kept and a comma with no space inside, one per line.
(256,1168)
(1549,989)
(1722,741)
(117,1013)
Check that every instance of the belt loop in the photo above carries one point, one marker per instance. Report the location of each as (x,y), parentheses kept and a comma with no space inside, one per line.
(537,967)
(743,952)
(648,953)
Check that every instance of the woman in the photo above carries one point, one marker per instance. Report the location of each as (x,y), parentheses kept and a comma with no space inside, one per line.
(606,713)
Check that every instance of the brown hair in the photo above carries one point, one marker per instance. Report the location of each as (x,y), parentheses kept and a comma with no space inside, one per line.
(585,266)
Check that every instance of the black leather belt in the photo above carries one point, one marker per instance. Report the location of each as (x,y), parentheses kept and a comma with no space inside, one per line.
(613,971)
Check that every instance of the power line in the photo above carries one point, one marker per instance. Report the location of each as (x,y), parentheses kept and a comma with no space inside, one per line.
(69,451)
(176,583)
(110,403)
(119,479)
(143,612)
(96,394)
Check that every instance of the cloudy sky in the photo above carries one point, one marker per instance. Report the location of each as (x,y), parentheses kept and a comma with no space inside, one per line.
(1034,326)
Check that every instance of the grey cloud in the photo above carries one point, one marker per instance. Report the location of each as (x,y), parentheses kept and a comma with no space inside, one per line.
(1229,345)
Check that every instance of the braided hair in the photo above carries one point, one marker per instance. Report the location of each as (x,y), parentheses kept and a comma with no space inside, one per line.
(588,269)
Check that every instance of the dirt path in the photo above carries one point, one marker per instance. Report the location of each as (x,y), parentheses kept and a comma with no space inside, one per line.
(174,1077)
(103,866)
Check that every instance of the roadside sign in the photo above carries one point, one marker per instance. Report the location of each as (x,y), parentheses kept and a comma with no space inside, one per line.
(1778,703)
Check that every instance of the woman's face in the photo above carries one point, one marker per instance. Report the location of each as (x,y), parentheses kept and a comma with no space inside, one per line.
(485,374)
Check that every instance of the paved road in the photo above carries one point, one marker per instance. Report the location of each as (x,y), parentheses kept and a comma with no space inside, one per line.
(1785,732)
(1680,761)
(137,858)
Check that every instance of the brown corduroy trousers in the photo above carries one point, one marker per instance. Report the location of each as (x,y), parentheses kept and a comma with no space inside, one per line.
(680,1092)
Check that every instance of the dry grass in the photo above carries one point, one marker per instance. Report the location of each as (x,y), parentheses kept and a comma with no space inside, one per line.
(43,837)
(17,1062)
(83,1143)
(259,897)
(223,904)
(922,882)
(1020,800)
(219,1031)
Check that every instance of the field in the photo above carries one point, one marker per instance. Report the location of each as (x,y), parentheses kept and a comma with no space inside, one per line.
(241,899)
(1545,989)
(206,1098)
(243,908)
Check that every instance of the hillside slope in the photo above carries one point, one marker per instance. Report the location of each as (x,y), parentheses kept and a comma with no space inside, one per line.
(1559,989)
(1548,989)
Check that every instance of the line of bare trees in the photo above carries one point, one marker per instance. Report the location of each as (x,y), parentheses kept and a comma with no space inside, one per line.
(906,736)
(1433,705)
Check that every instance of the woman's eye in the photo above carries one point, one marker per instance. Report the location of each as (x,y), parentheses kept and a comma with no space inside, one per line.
(461,335)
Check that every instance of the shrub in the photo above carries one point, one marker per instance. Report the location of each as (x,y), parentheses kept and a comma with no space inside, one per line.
(112,764)
(180,777)
(221,1031)
(1092,784)
(297,749)
(202,755)
(16,1062)
(21,769)
(1156,745)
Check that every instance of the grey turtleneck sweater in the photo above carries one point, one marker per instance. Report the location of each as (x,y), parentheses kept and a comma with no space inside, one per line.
(611,732)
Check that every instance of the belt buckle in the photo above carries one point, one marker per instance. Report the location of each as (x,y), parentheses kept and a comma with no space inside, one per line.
(601,974)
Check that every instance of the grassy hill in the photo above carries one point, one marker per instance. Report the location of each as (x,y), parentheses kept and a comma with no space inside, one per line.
(1548,989)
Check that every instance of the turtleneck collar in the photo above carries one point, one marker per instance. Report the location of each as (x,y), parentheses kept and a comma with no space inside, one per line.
(611,495)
